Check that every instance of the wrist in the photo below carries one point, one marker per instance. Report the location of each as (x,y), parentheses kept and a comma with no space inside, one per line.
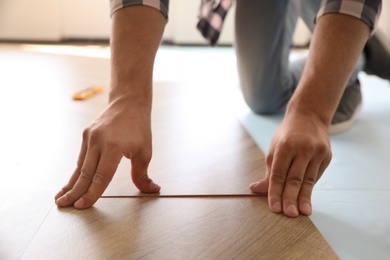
(312,97)
(131,95)
(305,111)
(132,105)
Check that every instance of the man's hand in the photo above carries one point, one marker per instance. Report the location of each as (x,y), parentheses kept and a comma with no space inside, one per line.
(300,149)
(298,155)
(123,129)
(114,134)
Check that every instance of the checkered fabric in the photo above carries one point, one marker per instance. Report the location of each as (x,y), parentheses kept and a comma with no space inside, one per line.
(366,10)
(211,16)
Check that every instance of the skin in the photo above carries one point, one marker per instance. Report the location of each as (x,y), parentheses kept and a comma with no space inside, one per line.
(124,127)
(300,149)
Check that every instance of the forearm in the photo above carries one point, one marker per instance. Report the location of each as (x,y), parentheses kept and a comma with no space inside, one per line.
(136,35)
(337,43)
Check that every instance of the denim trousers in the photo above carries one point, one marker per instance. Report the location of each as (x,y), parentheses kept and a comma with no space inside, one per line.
(263,39)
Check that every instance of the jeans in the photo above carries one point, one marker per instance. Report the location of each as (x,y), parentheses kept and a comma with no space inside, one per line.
(264,30)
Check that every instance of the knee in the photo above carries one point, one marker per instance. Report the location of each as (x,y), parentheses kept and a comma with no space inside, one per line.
(263,99)
(263,106)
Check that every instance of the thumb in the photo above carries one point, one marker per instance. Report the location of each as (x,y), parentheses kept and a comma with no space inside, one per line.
(139,175)
(260,187)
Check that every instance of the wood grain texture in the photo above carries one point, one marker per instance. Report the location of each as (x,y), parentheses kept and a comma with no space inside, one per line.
(40,140)
(167,228)
(199,146)
(39,136)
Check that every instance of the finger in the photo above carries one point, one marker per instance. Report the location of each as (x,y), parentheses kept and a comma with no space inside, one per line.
(84,180)
(325,163)
(297,174)
(105,170)
(261,186)
(139,174)
(76,173)
(279,169)
(72,181)
(304,200)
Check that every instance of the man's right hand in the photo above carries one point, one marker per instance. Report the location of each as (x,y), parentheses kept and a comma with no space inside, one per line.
(119,131)
(124,128)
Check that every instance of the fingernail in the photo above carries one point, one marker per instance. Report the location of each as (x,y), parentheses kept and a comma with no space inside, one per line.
(306,208)
(61,200)
(277,207)
(293,210)
(79,203)
(155,187)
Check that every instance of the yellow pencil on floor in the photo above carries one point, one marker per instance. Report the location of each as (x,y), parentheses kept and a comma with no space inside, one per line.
(86,93)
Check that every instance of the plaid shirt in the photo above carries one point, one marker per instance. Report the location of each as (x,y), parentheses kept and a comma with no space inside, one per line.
(213,12)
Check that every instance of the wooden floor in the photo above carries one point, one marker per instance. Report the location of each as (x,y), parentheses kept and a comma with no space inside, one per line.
(198,144)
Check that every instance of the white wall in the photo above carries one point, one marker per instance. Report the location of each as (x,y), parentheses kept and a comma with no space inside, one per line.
(384,22)
(32,20)
(88,19)
(53,20)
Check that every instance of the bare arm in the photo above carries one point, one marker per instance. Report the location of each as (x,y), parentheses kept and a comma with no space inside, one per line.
(337,44)
(136,35)
(123,128)
(300,149)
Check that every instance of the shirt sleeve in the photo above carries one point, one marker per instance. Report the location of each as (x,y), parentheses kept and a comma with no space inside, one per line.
(366,10)
(160,5)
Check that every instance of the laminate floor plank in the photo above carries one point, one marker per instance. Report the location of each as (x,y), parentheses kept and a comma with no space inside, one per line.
(199,146)
(200,149)
(39,136)
(175,228)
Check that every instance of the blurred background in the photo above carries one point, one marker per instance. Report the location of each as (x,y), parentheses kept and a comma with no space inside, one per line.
(89,20)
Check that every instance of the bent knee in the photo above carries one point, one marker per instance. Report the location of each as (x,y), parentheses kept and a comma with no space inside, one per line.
(265,96)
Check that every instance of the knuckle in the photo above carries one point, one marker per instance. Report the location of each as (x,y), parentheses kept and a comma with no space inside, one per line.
(276,177)
(86,133)
(85,174)
(307,149)
(109,143)
(287,143)
(94,135)
(310,181)
(97,136)
(294,180)
(322,150)
(98,178)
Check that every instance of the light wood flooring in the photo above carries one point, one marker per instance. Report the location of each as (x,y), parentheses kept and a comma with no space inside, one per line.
(199,145)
